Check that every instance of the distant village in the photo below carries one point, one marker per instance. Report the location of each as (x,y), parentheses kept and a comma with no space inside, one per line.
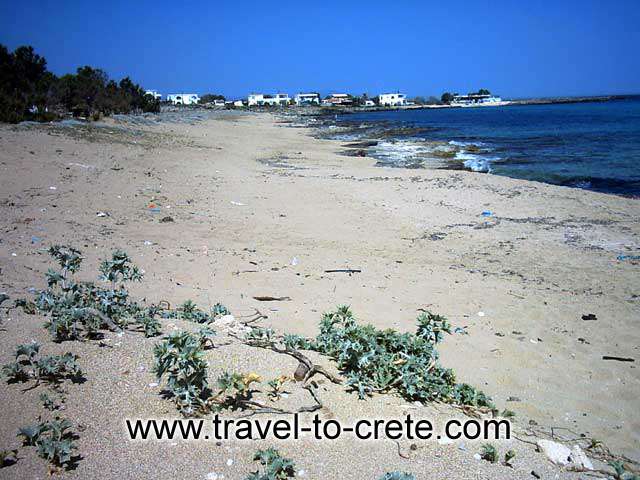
(384,100)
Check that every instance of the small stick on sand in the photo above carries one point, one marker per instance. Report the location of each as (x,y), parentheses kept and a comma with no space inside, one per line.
(618,359)
(344,270)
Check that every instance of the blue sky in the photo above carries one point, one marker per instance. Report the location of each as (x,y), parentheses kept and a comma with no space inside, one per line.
(514,48)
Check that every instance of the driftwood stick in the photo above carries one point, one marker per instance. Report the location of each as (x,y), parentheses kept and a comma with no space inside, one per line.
(311,389)
(312,368)
(344,270)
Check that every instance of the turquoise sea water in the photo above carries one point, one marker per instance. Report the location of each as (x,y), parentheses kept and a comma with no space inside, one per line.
(586,145)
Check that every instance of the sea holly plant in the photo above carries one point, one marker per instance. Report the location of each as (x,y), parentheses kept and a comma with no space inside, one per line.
(52,369)
(119,269)
(489,453)
(54,441)
(395,475)
(261,336)
(384,360)
(379,361)
(188,310)
(180,359)
(277,386)
(80,310)
(235,389)
(273,466)
(621,471)
(51,403)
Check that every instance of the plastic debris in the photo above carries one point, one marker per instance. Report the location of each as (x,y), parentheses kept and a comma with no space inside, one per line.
(238,204)
(486,213)
(153,208)
(481,314)
(294,261)
(102,214)
(556,452)
(628,257)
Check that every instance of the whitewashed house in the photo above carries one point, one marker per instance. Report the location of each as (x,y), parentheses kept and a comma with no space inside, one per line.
(392,99)
(307,98)
(262,99)
(238,103)
(475,99)
(154,94)
(338,99)
(183,98)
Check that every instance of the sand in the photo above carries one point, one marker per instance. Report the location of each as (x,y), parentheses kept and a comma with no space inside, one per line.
(263,209)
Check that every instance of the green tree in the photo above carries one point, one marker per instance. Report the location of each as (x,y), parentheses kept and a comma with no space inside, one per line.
(29,90)
(446,98)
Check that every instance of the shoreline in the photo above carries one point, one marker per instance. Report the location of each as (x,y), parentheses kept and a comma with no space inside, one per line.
(397,143)
(247,195)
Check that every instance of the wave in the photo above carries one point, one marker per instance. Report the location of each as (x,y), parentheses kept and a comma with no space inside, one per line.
(475,163)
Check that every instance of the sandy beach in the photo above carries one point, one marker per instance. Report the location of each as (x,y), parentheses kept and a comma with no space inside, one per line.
(259,208)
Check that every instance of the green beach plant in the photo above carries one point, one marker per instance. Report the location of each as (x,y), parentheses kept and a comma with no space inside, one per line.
(378,361)
(53,369)
(234,389)
(273,466)
(80,310)
(396,475)
(54,440)
(180,358)
(489,453)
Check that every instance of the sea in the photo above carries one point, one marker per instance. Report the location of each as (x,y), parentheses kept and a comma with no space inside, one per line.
(589,145)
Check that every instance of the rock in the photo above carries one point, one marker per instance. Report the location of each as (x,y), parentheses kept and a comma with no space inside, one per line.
(556,452)
(513,399)
(301,372)
(580,459)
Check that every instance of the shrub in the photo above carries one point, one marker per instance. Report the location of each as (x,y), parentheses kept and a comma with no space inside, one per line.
(489,453)
(236,387)
(79,310)
(276,385)
(510,455)
(383,360)
(50,368)
(180,358)
(397,476)
(53,439)
(274,466)
(190,311)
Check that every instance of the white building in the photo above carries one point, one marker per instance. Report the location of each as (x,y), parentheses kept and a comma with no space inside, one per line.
(338,99)
(262,99)
(154,94)
(392,99)
(238,103)
(307,98)
(183,98)
(475,99)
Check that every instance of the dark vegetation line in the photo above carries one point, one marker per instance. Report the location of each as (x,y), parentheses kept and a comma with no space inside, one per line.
(28,91)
